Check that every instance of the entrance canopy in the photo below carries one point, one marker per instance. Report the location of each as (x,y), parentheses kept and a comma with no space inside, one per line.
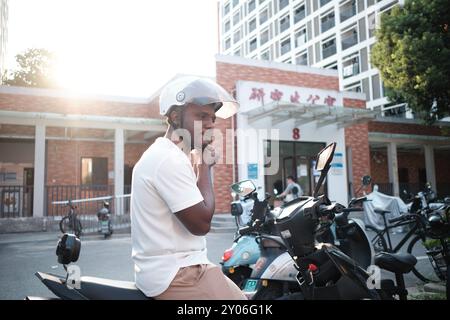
(323,115)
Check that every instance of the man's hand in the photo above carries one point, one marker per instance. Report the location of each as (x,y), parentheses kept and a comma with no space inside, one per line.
(209,155)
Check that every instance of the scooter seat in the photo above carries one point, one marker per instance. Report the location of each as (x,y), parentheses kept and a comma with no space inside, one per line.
(381,211)
(106,289)
(395,262)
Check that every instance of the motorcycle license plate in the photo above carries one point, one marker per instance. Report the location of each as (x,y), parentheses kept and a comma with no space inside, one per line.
(105,226)
(251,285)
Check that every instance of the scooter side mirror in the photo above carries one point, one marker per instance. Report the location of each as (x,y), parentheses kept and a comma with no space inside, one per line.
(366,180)
(68,249)
(236,209)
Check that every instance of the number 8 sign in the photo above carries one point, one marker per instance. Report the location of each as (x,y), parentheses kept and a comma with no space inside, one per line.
(296,133)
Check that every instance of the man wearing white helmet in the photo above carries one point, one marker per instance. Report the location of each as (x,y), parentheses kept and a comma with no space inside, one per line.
(171,205)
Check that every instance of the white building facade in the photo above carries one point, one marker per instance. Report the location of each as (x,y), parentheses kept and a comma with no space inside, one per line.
(331,34)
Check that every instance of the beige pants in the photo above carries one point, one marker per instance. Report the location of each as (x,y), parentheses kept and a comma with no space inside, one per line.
(201,282)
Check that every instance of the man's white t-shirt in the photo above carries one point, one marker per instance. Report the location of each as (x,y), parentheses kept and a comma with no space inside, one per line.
(163,182)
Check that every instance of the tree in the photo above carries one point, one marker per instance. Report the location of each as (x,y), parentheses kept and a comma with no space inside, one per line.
(412,53)
(35,70)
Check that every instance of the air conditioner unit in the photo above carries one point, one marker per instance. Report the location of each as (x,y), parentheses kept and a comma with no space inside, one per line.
(348,71)
(301,40)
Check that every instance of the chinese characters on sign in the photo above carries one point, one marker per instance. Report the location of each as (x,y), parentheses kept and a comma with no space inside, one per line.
(260,94)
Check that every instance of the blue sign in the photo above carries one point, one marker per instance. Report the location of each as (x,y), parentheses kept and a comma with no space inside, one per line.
(252,169)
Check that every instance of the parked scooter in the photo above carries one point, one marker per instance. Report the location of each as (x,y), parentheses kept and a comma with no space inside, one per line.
(254,251)
(237,260)
(104,220)
(323,270)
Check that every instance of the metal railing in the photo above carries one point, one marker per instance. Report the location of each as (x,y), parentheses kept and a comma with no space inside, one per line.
(348,41)
(72,192)
(327,52)
(16,201)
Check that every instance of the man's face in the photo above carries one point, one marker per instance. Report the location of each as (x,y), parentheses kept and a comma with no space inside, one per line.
(289,181)
(205,118)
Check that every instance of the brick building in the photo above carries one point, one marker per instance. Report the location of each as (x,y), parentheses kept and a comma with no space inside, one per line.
(56,146)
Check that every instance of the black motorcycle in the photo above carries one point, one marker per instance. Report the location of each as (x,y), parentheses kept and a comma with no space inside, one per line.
(325,271)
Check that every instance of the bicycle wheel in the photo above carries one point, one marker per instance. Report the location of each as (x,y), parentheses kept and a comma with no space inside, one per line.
(378,242)
(426,268)
(65,225)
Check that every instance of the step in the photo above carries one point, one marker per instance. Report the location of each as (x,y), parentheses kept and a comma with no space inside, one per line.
(222,230)
(223,224)
(223,217)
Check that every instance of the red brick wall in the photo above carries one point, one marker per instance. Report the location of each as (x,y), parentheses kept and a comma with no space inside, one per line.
(357,138)
(405,128)
(379,167)
(33,103)
(442,167)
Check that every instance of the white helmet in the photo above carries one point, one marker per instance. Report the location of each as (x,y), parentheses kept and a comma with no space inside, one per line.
(199,91)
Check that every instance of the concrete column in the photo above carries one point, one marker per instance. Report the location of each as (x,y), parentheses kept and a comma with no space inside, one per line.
(429,166)
(393,167)
(119,147)
(39,171)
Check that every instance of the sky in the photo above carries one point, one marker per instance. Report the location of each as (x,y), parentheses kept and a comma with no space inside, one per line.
(117,47)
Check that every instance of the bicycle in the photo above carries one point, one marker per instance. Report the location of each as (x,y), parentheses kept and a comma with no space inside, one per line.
(71,221)
(435,250)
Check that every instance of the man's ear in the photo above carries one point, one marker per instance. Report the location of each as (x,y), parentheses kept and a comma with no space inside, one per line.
(174,118)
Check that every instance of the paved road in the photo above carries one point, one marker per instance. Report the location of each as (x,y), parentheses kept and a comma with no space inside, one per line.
(21,255)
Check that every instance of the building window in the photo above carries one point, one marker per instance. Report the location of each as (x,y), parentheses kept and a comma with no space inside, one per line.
(263,16)
(227,26)
(264,37)
(347,10)
(328,48)
(332,65)
(284,23)
(350,65)
(237,36)
(349,38)
(354,87)
(227,43)
(327,21)
(236,18)
(265,55)
(288,60)
(324,2)
(300,37)
(299,13)
(226,9)
(94,171)
(237,52)
(235,3)
(8,176)
(251,6)
(302,58)
(252,45)
(372,24)
(283,4)
(285,45)
(252,25)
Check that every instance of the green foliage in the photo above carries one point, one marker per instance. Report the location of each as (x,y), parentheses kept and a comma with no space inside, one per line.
(35,70)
